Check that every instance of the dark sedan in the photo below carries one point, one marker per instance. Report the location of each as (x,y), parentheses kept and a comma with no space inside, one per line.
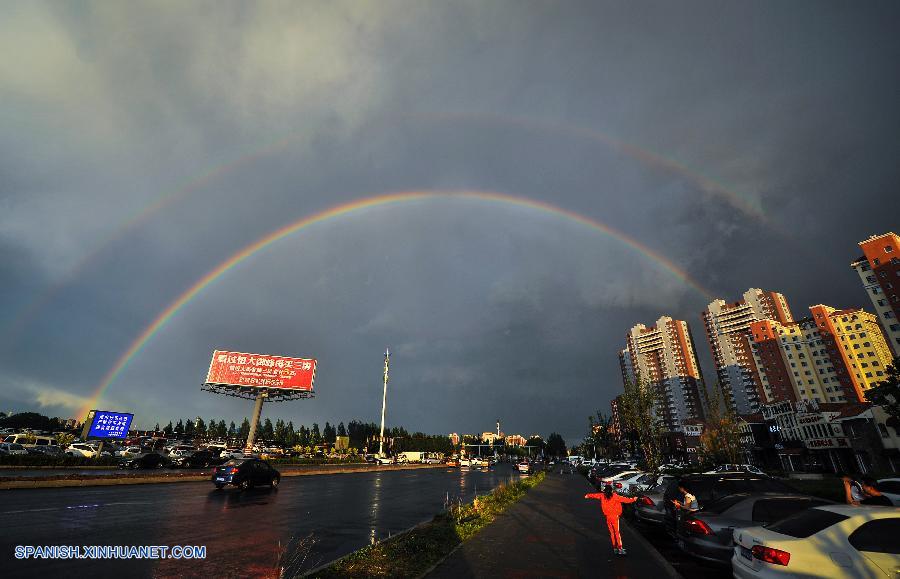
(712,487)
(149,460)
(199,459)
(707,534)
(245,473)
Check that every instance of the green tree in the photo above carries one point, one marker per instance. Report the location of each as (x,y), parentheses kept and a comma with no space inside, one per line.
(232,430)
(222,430)
(268,431)
(64,439)
(179,428)
(556,446)
(328,434)
(887,392)
(169,429)
(638,415)
(244,432)
(720,441)
(315,437)
(199,428)
(341,430)
(156,428)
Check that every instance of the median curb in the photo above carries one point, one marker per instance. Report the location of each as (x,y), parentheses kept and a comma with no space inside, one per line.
(117,480)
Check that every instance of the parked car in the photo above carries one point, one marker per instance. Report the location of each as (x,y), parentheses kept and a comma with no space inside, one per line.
(650,505)
(598,472)
(736,468)
(826,541)
(633,483)
(707,534)
(198,459)
(245,473)
(616,479)
(11,448)
(51,450)
(129,451)
(145,461)
(711,487)
(525,467)
(890,487)
(85,449)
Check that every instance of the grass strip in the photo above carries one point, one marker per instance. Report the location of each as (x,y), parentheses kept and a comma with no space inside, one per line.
(411,554)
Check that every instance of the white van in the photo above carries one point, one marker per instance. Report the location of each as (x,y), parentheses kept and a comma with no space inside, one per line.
(30,440)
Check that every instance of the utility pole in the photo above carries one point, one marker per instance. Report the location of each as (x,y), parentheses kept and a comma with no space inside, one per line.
(387,361)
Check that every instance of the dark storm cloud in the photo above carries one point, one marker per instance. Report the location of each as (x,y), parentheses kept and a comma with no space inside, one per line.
(492,311)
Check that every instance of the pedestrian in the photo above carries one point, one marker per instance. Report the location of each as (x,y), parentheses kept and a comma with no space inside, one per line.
(690,503)
(873,495)
(611,504)
(853,491)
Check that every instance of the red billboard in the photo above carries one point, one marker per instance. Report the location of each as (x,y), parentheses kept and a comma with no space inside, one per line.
(261,371)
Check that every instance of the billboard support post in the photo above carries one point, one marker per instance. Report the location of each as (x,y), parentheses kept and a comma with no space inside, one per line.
(259,377)
(254,422)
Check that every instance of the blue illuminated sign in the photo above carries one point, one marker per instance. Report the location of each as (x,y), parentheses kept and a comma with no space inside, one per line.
(110,424)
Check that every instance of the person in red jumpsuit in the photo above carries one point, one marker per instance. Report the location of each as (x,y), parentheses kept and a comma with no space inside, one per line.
(611,503)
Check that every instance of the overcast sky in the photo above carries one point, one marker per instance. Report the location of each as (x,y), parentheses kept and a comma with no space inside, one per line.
(751,144)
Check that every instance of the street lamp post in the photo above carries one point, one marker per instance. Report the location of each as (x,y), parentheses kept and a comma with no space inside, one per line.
(387,361)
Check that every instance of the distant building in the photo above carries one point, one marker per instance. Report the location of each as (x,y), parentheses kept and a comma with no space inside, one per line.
(664,357)
(515,440)
(728,332)
(625,364)
(834,356)
(615,423)
(879,271)
(454,438)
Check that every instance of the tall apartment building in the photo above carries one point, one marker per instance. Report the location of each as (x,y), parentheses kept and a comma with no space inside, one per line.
(728,332)
(879,271)
(832,356)
(665,359)
(627,367)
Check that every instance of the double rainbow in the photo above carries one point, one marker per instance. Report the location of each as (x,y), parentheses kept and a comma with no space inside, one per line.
(355,206)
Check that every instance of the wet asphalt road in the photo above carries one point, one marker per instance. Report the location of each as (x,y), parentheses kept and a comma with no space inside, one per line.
(309,520)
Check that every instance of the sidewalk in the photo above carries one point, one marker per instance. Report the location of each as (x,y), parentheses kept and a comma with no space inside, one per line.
(553,532)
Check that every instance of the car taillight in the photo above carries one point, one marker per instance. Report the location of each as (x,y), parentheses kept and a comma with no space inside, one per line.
(770,555)
(646,501)
(697,527)
(618,485)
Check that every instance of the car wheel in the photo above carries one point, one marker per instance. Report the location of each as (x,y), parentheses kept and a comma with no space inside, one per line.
(275,482)
(244,485)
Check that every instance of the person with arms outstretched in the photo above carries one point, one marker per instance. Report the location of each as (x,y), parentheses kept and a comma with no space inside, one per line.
(611,504)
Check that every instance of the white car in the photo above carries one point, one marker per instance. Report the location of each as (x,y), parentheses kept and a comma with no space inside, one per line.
(824,541)
(636,483)
(890,487)
(83,449)
(129,452)
(616,480)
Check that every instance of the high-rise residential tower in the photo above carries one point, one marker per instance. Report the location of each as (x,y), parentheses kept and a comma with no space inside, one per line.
(879,271)
(664,358)
(831,356)
(728,332)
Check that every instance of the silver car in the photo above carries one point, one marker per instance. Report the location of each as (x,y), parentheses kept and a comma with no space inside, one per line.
(650,506)
(708,533)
